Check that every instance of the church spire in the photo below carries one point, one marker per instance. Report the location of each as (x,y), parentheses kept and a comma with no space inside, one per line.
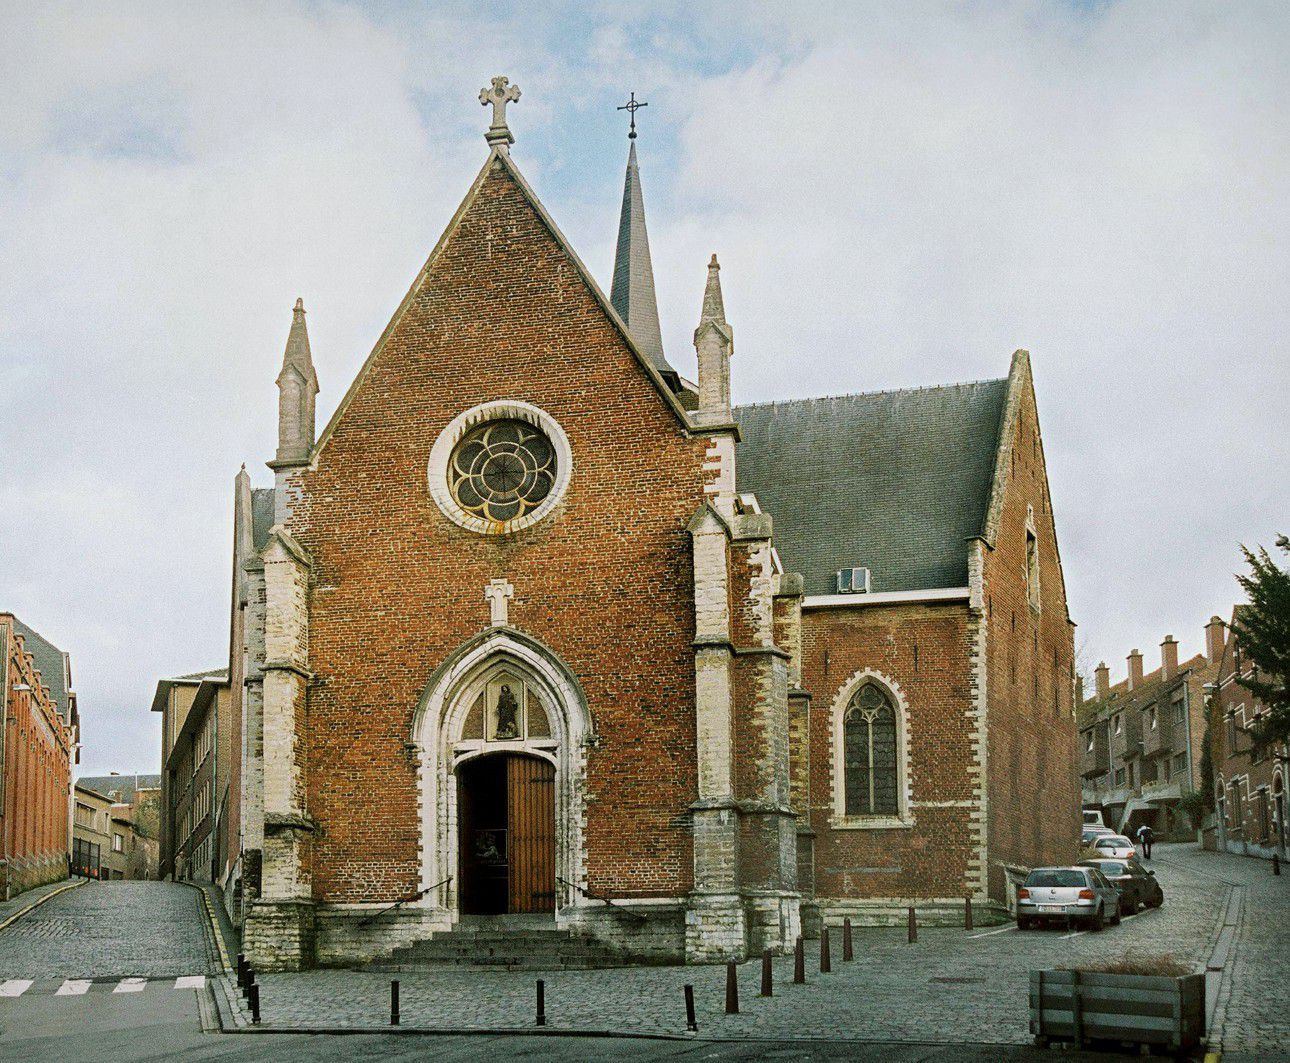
(632,293)
(297,389)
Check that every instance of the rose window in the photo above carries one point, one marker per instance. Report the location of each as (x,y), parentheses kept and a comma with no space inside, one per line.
(502,470)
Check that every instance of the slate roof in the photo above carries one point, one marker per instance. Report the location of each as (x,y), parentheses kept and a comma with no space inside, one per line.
(632,290)
(121,788)
(52,664)
(894,481)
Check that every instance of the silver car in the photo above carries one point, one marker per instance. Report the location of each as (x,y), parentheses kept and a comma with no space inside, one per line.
(1115,847)
(1069,895)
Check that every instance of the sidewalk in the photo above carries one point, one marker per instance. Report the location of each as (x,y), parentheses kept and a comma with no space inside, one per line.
(950,986)
(23,901)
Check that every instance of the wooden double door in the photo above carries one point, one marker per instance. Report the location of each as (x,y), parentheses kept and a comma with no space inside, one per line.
(506,820)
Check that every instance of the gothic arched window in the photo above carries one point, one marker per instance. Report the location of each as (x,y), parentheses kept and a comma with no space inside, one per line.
(870,754)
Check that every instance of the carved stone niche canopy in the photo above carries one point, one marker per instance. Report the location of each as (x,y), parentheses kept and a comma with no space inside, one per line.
(506,710)
(500,467)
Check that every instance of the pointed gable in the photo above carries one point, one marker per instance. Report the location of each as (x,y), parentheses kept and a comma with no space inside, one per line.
(501,256)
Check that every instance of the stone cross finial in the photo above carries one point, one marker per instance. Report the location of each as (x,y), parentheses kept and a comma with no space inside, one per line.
(498,594)
(499,95)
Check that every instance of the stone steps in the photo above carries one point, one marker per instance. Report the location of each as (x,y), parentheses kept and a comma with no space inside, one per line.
(518,949)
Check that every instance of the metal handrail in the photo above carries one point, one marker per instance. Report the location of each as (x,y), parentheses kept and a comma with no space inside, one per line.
(404,900)
(604,900)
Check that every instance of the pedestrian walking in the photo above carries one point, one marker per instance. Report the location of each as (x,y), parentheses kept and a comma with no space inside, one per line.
(1145,837)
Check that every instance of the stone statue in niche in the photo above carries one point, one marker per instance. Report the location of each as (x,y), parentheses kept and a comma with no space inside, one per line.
(508,710)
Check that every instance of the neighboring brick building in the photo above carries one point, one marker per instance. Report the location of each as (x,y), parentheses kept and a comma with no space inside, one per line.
(198,769)
(136,805)
(1141,739)
(1250,793)
(39,733)
(535,624)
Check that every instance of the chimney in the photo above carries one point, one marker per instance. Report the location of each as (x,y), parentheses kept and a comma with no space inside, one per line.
(1214,640)
(1135,669)
(1168,658)
(1103,677)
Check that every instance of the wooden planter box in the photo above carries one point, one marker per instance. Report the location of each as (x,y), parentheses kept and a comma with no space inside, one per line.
(1081,1006)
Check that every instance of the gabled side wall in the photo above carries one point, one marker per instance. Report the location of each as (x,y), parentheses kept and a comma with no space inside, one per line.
(1032,776)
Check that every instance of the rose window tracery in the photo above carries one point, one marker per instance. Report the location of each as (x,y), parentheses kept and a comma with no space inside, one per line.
(502,470)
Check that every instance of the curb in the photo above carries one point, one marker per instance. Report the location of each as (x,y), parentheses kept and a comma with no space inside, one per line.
(41,900)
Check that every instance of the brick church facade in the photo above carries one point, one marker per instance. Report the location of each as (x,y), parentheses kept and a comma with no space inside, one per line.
(535,628)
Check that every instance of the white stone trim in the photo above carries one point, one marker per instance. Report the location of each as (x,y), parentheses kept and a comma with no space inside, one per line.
(856,601)
(904,818)
(499,410)
(437,726)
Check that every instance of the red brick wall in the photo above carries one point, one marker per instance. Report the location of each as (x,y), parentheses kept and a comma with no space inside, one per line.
(924,649)
(605,581)
(1033,788)
(37,771)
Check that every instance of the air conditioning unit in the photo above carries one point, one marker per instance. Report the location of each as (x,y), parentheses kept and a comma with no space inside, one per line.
(853,581)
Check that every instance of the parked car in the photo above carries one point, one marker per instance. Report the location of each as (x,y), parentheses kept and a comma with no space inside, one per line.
(1138,886)
(1114,847)
(1067,894)
(1090,834)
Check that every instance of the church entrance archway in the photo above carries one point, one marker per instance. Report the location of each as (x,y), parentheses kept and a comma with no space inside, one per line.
(502,732)
(506,810)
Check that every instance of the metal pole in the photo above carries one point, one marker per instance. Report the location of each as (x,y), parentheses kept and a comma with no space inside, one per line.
(241,970)
(767,975)
(1276,864)
(541,1002)
(249,984)
(826,961)
(848,953)
(799,962)
(394,1002)
(967,913)
(690,1022)
(254,992)
(913,925)
(732,988)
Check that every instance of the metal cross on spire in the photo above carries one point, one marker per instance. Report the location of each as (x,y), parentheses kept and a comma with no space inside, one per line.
(498,96)
(631,107)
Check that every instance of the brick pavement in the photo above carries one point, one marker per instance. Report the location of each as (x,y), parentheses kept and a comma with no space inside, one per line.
(17,903)
(102,929)
(948,987)
(1253,1018)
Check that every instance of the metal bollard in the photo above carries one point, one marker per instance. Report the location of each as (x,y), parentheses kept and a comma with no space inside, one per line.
(799,962)
(967,913)
(394,1002)
(767,975)
(690,1022)
(254,992)
(826,961)
(248,984)
(913,926)
(241,969)
(541,1002)
(1276,864)
(848,953)
(732,988)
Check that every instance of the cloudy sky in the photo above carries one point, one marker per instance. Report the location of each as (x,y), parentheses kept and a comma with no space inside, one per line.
(900,195)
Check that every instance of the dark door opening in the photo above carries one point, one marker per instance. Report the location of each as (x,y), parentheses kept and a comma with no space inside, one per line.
(506,825)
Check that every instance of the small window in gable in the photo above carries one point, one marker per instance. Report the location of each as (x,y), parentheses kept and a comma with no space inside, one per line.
(1032,568)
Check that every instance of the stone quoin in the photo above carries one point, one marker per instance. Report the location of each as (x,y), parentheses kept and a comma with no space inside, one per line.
(537,628)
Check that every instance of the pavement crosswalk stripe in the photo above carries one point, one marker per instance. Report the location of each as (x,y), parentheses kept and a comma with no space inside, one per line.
(74,987)
(130,985)
(14,987)
(191,981)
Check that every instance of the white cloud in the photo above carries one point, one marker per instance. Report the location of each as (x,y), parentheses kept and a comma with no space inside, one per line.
(899,195)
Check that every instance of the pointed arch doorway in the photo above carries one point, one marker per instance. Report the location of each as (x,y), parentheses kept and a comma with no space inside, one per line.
(506,831)
(502,732)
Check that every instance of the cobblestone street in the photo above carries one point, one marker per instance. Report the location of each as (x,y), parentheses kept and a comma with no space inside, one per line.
(109,929)
(950,986)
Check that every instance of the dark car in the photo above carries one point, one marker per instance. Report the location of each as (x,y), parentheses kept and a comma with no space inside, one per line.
(1138,886)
